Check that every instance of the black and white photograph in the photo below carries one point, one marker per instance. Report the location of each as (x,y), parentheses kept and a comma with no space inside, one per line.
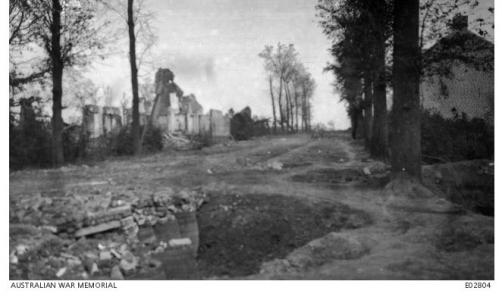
(250,140)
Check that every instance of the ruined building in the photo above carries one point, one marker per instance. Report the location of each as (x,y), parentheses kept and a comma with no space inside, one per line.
(98,121)
(171,111)
(174,112)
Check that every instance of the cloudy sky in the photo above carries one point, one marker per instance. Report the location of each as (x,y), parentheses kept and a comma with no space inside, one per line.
(212,47)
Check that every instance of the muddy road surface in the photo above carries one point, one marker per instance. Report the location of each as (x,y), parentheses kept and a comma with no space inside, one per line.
(284,207)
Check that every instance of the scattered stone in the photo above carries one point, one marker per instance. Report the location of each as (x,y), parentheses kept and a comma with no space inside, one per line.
(146,235)
(116,203)
(131,232)
(161,247)
(366,171)
(123,249)
(275,165)
(162,198)
(115,253)
(21,249)
(140,219)
(52,229)
(94,269)
(180,242)
(128,265)
(105,255)
(74,262)
(61,272)
(89,264)
(209,171)
(68,256)
(116,274)
(13,259)
(154,263)
(112,214)
(127,222)
(98,228)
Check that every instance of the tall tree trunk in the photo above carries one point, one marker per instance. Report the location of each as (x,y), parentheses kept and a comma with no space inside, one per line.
(304,111)
(368,108)
(286,93)
(273,102)
(353,88)
(309,117)
(296,109)
(291,118)
(379,138)
(405,138)
(281,112)
(134,78)
(292,110)
(57,85)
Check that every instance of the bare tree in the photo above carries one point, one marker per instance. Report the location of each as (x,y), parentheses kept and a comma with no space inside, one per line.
(141,40)
(283,66)
(66,31)
(22,32)
(134,78)
(273,102)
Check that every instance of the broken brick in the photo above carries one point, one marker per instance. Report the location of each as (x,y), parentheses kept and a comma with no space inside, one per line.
(98,228)
(105,255)
(116,274)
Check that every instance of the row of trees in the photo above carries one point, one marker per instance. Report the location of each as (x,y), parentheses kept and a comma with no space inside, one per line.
(291,88)
(377,47)
(67,34)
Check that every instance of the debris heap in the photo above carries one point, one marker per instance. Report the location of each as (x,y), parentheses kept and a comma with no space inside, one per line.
(136,239)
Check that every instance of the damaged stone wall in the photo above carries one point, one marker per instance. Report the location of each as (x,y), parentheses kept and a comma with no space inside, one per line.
(219,124)
(112,121)
(128,117)
(98,120)
(92,121)
(175,113)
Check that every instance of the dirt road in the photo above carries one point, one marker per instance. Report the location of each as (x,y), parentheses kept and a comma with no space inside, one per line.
(289,207)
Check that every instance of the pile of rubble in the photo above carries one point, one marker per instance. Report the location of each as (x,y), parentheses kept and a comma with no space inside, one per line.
(124,240)
(177,141)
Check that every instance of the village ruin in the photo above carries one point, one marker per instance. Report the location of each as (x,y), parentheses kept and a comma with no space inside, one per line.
(172,112)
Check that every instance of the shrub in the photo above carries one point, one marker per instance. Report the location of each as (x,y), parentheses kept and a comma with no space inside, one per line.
(30,144)
(241,126)
(202,140)
(122,142)
(455,139)
(153,140)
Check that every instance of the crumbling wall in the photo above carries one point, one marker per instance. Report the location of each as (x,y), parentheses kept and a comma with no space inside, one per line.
(92,121)
(128,117)
(219,126)
(193,123)
(204,124)
(111,119)
(173,112)
(179,123)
